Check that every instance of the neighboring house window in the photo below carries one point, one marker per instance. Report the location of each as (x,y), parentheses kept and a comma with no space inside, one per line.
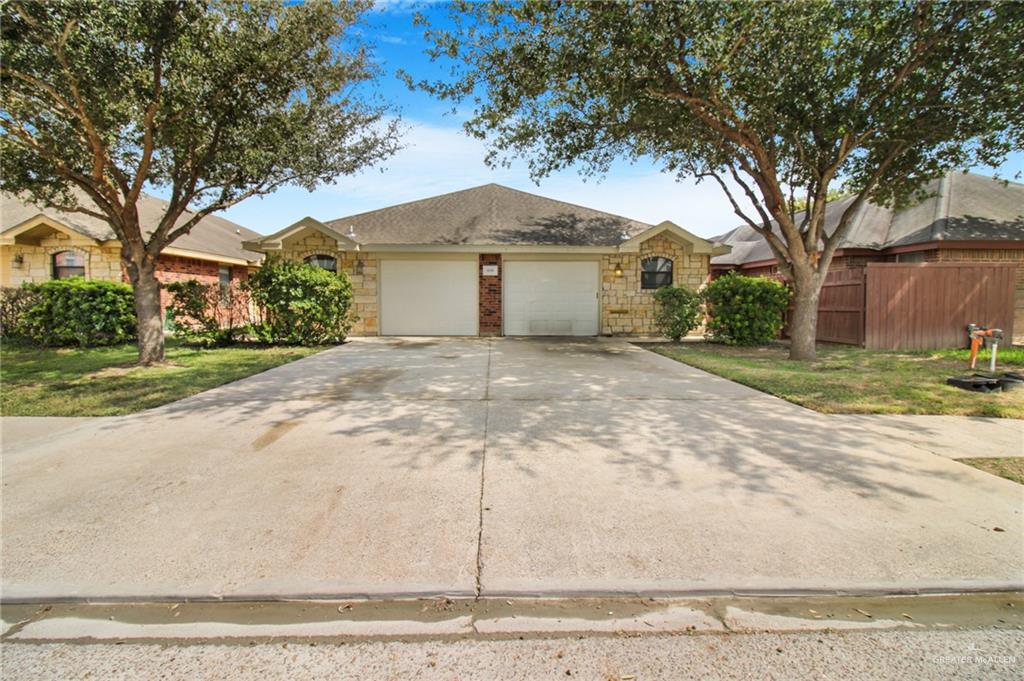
(224,279)
(324,262)
(68,264)
(655,272)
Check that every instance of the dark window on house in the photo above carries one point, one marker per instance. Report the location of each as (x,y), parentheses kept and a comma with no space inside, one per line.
(655,272)
(324,262)
(224,280)
(68,264)
(224,275)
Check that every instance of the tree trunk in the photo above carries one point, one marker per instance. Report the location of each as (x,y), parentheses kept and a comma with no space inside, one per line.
(803,325)
(147,311)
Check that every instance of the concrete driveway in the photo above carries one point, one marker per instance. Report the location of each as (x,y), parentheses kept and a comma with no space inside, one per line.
(416,466)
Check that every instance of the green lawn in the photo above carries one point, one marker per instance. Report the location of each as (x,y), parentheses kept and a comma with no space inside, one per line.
(105,382)
(851,380)
(1011,468)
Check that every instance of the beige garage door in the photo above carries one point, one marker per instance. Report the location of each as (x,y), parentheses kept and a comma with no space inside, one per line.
(428,298)
(547,298)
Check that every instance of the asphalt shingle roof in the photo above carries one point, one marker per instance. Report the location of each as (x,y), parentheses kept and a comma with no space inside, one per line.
(490,214)
(959,207)
(212,235)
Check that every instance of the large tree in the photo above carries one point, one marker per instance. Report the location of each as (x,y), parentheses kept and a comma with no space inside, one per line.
(210,102)
(777,102)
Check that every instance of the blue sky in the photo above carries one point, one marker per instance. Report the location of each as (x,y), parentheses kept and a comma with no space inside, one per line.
(438,157)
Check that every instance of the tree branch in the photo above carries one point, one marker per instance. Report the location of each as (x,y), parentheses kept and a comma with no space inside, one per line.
(765,229)
(832,241)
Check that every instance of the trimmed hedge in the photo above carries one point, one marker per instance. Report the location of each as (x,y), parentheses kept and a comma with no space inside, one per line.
(80,312)
(300,304)
(678,311)
(14,303)
(745,310)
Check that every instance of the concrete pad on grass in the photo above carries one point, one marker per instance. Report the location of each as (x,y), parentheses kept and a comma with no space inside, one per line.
(954,437)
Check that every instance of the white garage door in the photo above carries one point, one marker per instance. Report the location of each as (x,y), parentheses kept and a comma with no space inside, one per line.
(428,297)
(547,298)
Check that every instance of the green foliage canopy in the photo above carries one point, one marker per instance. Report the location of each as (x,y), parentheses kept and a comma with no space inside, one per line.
(300,304)
(880,96)
(78,312)
(678,311)
(212,101)
(745,310)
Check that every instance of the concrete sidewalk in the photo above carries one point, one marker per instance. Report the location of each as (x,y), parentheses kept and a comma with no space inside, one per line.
(954,437)
(473,466)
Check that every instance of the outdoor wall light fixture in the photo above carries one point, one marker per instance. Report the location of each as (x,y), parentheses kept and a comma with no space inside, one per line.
(19,260)
(359,266)
(618,270)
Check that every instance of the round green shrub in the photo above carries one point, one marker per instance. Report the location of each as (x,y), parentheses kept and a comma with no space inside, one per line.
(15,302)
(678,311)
(300,304)
(80,312)
(745,310)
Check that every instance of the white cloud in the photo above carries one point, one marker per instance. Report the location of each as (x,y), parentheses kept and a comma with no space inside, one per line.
(438,159)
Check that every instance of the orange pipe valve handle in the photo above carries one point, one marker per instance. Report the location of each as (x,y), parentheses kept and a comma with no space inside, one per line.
(978,334)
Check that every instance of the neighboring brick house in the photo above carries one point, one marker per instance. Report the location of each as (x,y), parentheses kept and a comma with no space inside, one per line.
(966,218)
(497,261)
(37,244)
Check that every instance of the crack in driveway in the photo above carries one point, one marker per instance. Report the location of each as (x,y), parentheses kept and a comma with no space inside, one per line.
(483,463)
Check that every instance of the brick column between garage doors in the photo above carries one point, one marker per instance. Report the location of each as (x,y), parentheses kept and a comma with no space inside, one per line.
(490,295)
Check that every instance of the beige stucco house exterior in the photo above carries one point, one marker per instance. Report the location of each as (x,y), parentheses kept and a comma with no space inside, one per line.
(497,261)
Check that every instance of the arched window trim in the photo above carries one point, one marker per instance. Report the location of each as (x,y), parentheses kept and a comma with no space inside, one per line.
(321,260)
(656,272)
(67,263)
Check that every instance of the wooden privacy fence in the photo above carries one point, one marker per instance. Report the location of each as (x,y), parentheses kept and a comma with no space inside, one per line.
(922,306)
(914,306)
(840,308)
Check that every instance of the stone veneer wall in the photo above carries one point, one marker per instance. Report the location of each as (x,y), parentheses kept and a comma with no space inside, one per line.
(626,309)
(361,268)
(100,263)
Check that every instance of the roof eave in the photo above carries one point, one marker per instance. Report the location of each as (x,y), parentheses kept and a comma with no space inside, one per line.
(698,245)
(207,256)
(273,242)
(8,236)
(484,248)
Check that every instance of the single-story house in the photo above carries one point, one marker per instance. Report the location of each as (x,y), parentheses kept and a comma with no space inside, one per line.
(37,244)
(913,277)
(496,261)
